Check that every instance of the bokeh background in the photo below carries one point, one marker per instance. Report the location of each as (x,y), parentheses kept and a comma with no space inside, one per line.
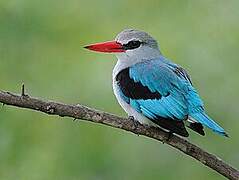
(41,45)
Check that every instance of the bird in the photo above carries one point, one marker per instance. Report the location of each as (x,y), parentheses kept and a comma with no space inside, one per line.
(152,89)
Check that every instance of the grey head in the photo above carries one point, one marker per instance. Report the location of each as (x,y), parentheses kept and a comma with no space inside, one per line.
(129,35)
(138,45)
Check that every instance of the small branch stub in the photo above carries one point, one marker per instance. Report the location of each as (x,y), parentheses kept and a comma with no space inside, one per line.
(23,89)
(23,94)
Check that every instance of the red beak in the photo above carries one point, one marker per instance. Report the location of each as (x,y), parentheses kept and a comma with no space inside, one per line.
(109,47)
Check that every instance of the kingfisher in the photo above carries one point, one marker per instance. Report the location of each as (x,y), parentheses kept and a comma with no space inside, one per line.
(152,89)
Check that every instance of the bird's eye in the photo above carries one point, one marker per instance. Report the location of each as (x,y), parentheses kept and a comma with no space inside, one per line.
(132,45)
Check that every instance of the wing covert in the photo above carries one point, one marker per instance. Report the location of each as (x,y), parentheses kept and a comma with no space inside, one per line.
(159,89)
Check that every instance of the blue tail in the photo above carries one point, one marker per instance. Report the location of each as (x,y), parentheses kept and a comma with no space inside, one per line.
(207,121)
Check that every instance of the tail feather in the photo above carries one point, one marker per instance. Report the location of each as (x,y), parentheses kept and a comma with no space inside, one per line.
(204,119)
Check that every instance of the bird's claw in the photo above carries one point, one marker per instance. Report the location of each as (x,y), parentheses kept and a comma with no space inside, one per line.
(134,122)
(170,135)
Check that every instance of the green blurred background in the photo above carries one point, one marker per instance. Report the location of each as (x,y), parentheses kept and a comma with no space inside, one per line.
(41,45)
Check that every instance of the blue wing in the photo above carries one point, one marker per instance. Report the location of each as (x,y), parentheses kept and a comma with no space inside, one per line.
(167,93)
(159,77)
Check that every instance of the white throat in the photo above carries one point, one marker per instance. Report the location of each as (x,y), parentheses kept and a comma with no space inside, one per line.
(131,57)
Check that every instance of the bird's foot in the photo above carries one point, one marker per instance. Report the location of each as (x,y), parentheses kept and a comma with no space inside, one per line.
(170,135)
(134,122)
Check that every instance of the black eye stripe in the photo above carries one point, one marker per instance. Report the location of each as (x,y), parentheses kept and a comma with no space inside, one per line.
(132,45)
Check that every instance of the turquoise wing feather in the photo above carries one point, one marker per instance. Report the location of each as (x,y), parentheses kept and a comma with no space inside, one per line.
(179,98)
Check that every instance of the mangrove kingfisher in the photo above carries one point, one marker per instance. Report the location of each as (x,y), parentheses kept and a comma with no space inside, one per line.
(151,88)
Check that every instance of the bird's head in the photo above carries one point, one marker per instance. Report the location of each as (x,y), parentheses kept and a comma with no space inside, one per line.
(130,46)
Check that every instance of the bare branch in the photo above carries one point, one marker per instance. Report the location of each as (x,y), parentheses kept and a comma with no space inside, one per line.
(96,116)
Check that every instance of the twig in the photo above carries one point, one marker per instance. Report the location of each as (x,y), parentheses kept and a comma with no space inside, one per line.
(23,90)
(23,94)
(96,116)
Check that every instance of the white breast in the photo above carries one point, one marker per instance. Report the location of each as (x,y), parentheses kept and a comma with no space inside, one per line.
(127,108)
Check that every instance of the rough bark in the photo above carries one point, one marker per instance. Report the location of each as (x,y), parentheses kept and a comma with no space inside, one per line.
(96,116)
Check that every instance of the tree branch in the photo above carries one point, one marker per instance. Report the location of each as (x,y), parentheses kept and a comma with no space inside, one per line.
(88,114)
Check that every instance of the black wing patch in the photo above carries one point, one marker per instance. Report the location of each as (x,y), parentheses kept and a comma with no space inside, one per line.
(132,89)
